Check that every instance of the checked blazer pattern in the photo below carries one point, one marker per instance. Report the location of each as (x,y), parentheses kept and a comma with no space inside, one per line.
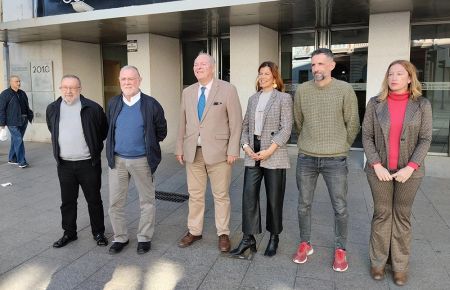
(277,126)
(415,139)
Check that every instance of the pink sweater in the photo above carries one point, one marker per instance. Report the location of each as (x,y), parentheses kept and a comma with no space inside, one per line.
(397,106)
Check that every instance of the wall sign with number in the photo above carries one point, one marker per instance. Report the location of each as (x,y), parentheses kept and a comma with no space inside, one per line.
(37,82)
(41,76)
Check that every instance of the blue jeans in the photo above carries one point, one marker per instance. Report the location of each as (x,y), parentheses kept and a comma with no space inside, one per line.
(334,171)
(17,150)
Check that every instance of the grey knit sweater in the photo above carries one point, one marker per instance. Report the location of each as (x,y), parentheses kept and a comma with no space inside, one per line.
(326,118)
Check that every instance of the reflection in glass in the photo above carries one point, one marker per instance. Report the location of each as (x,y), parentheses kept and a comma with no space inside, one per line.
(296,63)
(431,56)
(350,51)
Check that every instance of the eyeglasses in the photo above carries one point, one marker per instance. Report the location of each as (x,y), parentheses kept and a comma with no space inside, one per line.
(65,89)
(201,64)
(127,79)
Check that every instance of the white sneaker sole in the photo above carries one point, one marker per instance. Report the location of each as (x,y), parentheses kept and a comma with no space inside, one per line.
(339,269)
(307,254)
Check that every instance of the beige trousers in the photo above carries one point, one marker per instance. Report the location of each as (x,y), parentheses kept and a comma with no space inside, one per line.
(391,222)
(119,178)
(197,176)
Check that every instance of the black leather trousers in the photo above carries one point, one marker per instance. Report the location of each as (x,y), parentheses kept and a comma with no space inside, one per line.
(275,183)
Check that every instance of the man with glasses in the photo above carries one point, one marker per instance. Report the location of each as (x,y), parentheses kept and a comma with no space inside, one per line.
(78,127)
(15,113)
(136,126)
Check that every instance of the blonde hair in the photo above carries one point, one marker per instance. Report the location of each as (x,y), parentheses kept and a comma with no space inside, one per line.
(414,87)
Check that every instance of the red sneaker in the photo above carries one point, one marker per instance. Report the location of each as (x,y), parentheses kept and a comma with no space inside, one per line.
(303,251)
(340,261)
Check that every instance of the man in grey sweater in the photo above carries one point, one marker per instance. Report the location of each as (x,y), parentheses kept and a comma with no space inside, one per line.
(326,117)
(78,127)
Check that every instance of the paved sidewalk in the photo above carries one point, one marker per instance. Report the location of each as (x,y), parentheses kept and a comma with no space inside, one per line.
(30,222)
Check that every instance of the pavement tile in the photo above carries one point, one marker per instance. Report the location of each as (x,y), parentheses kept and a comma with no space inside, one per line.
(302,283)
(78,271)
(33,274)
(268,280)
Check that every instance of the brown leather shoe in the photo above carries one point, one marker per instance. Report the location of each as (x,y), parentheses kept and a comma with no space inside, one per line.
(224,243)
(377,273)
(400,278)
(188,240)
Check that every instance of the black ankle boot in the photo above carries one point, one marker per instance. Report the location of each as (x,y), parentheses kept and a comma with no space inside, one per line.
(248,241)
(272,246)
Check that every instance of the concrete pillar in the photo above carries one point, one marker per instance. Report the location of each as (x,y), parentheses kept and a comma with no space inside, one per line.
(389,39)
(83,60)
(17,10)
(249,47)
(159,61)
(141,58)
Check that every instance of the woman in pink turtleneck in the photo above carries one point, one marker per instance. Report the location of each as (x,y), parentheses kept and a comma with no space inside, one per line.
(396,131)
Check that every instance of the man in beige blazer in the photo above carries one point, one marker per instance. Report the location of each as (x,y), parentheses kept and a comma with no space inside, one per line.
(208,141)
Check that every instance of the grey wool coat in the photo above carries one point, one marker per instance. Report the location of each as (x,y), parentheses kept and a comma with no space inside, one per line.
(415,138)
(277,126)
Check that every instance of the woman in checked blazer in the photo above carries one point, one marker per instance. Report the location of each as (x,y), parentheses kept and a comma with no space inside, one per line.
(396,136)
(265,131)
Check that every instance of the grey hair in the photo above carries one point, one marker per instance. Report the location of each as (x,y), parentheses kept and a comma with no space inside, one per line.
(323,50)
(14,77)
(130,67)
(71,77)
(211,59)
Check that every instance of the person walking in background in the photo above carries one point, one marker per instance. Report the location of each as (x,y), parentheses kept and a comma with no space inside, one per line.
(266,129)
(15,113)
(396,135)
(208,141)
(78,128)
(136,126)
(326,117)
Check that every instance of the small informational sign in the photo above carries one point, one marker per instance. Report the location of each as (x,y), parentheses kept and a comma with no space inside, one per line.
(358,86)
(436,86)
(40,103)
(132,45)
(42,76)
(23,72)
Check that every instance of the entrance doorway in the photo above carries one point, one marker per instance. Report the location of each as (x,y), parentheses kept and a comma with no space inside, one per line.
(218,47)
(114,57)
(350,50)
(350,47)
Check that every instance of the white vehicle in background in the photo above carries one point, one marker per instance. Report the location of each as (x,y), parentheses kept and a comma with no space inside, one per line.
(79,5)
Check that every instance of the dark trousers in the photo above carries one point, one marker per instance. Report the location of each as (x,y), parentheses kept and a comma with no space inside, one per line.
(72,175)
(334,171)
(275,183)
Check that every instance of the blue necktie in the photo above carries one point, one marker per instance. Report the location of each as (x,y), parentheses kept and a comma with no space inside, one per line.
(201,103)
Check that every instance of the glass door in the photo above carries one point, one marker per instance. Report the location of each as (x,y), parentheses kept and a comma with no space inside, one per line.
(296,63)
(430,53)
(190,50)
(350,50)
(219,48)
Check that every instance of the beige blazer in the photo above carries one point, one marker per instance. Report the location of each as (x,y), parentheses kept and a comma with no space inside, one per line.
(219,128)
(415,139)
(277,126)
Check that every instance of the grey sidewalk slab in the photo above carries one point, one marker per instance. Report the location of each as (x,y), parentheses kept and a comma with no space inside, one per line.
(30,222)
